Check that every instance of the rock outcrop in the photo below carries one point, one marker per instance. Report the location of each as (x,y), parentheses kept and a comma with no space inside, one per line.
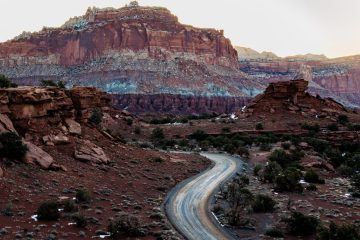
(90,152)
(284,98)
(133,49)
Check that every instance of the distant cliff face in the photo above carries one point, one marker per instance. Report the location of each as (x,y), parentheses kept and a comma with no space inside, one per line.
(129,50)
(337,78)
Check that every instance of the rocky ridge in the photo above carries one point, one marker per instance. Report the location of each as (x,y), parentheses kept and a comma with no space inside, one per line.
(336,78)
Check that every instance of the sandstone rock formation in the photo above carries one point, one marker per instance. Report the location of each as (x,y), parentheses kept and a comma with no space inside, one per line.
(178,104)
(90,152)
(133,49)
(35,108)
(290,97)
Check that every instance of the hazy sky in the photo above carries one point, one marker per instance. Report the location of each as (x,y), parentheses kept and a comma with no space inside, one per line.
(286,27)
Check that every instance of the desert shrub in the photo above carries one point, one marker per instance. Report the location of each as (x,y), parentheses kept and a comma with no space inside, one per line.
(125,225)
(271,171)
(288,181)
(257,169)
(243,151)
(353,127)
(345,170)
(48,211)
(217,209)
(83,195)
(265,147)
(336,232)
(315,128)
(243,179)
(96,117)
(137,130)
(263,203)
(199,135)
(301,225)
(274,233)
(225,130)
(335,157)
(259,126)
(70,206)
(8,210)
(332,127)
(286,145)
(157,134)
(343,119)
(311,187)
(11,146)
(5,82)
(281,157)
(312,177)
(129,121)
(319,145)
(80,220)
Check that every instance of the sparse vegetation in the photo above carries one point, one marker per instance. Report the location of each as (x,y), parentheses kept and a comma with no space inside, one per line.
(70,206)
(333,127)
(343,119)
(157,134)
(80,220)
(51,83)
(336,232)
(274,233)
(312,177)
(259,126)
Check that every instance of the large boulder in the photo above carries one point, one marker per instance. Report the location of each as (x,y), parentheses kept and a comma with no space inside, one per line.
(38,156)
(87,151)
(73,126)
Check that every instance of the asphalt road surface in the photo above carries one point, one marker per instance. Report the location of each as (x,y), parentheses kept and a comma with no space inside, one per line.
(187,204)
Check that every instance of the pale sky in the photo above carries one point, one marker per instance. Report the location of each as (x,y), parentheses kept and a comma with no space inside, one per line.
(285,27)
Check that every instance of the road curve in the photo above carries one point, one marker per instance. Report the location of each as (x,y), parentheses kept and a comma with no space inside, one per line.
(187,204)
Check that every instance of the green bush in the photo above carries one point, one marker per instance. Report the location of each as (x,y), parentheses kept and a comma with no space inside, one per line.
(319,145)
(259,126)
(288,181)
(199,135)
(48,211)
(83,196)
(286,145)
(301,225)
(125,225)
(274,233)
(70,206)
(5,82)
(11,146)
(96,117)
(263,203)
(312,177)
(271,171)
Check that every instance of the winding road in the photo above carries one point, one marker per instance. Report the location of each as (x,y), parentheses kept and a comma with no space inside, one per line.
(187,204)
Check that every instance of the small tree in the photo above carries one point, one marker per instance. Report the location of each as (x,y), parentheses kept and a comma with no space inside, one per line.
(96,117)
(157,134)
(259,126)
(302,225)
(263,203)
(125,225)
(5,82)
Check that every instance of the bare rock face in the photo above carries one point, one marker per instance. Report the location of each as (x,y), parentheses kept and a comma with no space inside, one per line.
(1,173)
(38,156)
(90,152)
